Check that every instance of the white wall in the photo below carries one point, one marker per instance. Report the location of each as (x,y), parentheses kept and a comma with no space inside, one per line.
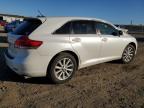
(10,19)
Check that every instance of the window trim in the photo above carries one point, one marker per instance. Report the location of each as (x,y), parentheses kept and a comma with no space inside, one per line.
(92,21)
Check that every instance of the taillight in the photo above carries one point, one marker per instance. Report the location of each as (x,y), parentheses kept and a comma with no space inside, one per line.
(25,42)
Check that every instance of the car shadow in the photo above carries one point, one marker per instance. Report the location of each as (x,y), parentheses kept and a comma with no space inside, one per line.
(6,74)
(114,62)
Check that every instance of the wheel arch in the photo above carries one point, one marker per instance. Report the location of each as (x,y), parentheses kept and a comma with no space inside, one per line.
(135,46)
(66,51)
(132,43)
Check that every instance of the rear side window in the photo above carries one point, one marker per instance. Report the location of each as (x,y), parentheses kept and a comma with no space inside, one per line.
(27,27)
(83,27)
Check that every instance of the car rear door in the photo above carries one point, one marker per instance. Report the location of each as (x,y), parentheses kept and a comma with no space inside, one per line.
(85,41)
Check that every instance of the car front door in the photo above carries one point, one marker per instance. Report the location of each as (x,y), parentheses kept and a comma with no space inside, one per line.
(112,43)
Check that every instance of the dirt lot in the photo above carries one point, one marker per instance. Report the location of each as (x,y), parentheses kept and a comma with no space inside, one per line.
(107,85)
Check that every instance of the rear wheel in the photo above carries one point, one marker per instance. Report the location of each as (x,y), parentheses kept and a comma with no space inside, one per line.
(62,68)
(128,54)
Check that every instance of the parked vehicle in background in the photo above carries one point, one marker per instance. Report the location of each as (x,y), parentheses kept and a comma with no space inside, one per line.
(57,46)
(2,25)
(12,26)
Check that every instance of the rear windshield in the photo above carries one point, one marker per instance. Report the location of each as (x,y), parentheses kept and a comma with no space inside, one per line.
(27,27)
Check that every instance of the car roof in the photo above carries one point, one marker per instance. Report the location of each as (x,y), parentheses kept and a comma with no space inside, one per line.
(53,23)
(66,18)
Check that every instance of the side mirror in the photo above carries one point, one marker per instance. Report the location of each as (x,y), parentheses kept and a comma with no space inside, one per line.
(120,32)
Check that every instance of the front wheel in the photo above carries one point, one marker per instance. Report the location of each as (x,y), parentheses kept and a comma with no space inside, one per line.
(62,68)
(128,54)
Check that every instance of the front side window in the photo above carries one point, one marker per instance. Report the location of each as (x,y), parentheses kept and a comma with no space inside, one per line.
(83,27)
(106,29)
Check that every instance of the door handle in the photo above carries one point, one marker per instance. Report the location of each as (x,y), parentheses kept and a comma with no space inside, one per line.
(76,40)
(104,39)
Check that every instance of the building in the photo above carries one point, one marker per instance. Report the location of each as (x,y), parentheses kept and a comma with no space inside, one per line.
(9,18)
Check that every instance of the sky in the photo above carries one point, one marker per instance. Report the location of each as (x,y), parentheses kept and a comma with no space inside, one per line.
(115,11)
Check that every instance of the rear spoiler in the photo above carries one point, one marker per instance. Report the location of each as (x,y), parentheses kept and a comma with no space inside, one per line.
(42,20)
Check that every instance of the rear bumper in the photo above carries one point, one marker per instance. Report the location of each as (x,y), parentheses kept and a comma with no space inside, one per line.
(27,67)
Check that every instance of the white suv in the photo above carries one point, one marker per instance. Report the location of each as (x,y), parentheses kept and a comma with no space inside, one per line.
(57,46)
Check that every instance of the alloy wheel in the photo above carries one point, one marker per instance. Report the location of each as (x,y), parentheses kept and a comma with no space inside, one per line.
(128,54)
(64,68)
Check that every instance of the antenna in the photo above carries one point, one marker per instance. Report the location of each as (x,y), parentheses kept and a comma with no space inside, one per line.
(131,22)
(40,14)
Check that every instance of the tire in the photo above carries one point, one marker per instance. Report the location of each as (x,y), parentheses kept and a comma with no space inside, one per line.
(128,54)
(62,68)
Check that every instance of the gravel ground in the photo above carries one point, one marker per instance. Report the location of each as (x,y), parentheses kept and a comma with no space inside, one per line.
(107,85)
